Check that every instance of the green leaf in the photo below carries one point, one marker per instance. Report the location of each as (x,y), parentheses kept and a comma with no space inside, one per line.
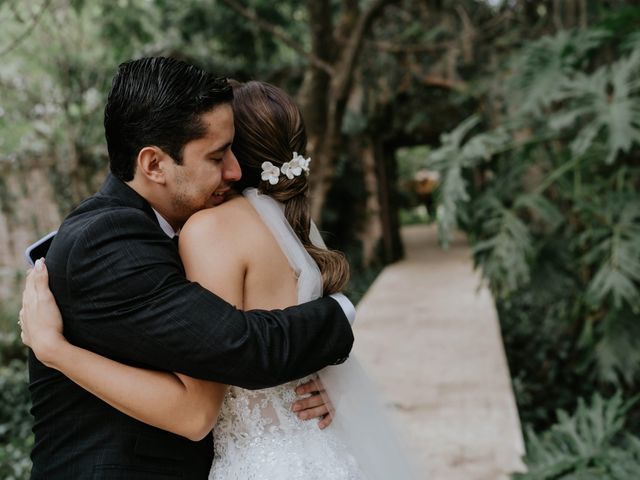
(588,444)
(605,101)
(504,248)
(542,207)
(615,249)
(618,350)
(545,63)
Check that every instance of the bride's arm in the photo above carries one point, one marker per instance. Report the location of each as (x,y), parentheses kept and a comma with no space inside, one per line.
(170,401)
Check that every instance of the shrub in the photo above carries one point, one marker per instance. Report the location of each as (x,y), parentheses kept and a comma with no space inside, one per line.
(548,193)
(589,445)
(16,438)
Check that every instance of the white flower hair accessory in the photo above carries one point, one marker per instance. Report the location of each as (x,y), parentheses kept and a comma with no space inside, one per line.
(291,169)
(270,173)
(304,162)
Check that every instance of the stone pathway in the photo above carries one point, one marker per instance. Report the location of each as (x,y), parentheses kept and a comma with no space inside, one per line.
(431,340)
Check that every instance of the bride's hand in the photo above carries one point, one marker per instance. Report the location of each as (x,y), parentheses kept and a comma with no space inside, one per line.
(316,403)
(40,318)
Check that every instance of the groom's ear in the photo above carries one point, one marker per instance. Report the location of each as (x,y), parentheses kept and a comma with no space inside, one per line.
(151,163)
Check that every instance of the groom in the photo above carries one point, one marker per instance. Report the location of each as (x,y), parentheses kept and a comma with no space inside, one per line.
(116,275)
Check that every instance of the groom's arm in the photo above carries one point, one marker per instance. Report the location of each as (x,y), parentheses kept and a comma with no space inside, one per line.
(135,304)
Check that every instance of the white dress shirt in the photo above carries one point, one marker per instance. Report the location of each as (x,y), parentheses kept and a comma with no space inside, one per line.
(164,225)
(346,305)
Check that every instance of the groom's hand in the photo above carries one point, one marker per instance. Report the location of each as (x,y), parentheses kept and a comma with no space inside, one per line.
(315,405)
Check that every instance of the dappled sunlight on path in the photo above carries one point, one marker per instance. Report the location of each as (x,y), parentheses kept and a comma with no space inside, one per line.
(431,339)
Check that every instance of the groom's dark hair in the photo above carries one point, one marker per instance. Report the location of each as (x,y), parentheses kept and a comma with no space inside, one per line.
(157,101)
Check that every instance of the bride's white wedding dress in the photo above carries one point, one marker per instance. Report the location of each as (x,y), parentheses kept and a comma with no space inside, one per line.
(258,436)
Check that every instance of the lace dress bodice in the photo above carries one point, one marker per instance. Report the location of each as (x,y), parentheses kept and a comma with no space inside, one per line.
(258,436)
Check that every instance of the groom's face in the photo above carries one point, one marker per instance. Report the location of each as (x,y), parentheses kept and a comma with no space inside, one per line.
(208,166)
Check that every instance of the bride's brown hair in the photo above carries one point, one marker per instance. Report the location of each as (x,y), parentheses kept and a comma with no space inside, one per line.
(269,128)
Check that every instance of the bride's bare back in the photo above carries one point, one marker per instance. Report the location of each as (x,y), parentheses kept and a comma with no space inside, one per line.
(230,251)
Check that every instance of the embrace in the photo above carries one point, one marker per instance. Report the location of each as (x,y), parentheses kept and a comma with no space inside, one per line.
(165,340)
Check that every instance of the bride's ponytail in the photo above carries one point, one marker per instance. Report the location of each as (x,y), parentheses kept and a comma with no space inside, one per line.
(269,128)
(332,264)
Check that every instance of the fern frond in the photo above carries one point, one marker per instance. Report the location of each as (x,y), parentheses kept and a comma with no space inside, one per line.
(505,249)
(588,444)
(615,250)
(618,350)
(456,153)
(546,63)
(602,103)
(452,192)
(542,207)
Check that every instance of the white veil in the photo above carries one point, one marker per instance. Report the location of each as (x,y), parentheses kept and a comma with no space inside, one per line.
(359,420)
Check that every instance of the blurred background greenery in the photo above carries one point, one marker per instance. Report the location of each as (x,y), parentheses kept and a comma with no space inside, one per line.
(523,116)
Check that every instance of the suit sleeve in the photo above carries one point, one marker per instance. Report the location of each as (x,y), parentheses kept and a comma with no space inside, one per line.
(133,303)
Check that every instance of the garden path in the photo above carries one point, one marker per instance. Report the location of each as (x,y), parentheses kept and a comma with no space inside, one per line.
(430,338)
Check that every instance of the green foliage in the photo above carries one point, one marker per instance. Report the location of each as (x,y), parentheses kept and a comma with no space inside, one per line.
(550,369)
(548,192)
(507,247)
(15,420)
(544,64)
(456,153)
(410,161)
(410,165)
(414,216)
(16,438)
(616,347)
(590,444)
(604,103)
(613,250)
(559,169)
(53,91)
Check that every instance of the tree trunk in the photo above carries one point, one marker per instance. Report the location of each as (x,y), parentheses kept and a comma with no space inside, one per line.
(387,195)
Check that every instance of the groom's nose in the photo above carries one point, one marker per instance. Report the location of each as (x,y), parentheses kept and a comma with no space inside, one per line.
(231,168)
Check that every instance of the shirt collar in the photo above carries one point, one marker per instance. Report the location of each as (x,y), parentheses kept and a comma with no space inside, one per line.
(164,225)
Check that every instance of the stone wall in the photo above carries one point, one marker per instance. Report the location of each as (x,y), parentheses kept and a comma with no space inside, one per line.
(28,210)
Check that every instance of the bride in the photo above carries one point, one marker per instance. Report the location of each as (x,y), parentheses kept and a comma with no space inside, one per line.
(258,250)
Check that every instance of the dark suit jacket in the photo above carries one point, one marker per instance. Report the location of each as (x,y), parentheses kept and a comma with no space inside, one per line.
(122,291)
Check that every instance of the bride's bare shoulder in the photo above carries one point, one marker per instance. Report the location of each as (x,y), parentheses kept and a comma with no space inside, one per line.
(227,221)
